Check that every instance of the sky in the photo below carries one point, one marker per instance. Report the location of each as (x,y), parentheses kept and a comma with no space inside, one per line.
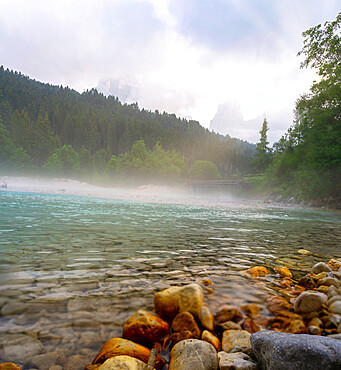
(186,57)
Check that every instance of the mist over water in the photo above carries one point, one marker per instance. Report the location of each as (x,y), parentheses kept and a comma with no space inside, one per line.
(77,266)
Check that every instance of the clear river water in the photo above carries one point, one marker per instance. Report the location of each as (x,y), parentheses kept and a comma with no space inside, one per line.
(74,268)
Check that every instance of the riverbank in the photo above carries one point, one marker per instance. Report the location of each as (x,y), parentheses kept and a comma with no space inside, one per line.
(177,194)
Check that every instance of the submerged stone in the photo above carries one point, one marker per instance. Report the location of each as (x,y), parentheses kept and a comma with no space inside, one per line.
(277,351)
(257,271)
(284,272)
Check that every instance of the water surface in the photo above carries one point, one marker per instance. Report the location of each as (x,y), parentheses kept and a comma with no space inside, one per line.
(73,269)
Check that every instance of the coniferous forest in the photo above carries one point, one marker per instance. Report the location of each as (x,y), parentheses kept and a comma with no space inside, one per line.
(57,130)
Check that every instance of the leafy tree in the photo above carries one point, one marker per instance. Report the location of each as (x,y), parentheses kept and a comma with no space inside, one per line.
(64,161)
(308,157)
(204,170)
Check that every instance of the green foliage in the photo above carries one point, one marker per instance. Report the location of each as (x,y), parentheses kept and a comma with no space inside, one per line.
(64,161)
(263,151)
(204,170)
(140,162)
(307,159)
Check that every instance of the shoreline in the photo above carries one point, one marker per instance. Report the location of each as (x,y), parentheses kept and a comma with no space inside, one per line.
(150,193)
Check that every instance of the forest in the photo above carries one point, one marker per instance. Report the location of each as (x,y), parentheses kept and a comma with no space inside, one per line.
(54,129)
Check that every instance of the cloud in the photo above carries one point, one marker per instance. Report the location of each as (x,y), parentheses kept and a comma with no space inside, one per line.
(77,42)
(228,26)
(184,57)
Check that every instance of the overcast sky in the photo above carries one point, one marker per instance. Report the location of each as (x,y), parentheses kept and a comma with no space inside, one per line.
(182,56)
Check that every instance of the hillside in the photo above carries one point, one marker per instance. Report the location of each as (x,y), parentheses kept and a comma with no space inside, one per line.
(39,118)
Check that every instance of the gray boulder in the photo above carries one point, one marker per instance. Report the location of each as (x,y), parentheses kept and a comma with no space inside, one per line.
(278,351)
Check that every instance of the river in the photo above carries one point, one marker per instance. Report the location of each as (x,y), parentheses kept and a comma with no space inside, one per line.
(74,268)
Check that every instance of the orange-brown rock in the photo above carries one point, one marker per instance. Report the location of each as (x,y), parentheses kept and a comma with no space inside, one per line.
(287,322)
(250,326)
(169,302)
(308,281)
(285,283)
(284,272)
(228,325)
(292,292)
(257,271)
(228,313)
(118,346)
(210,338)
(185,321)
(178,337)
(206,318)
(92,367)
(9,366)
(207,282)
(251,309)
(145,328)
(334,264)
(277,303)
(315,326)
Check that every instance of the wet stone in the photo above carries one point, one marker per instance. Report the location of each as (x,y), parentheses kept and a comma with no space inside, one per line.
(185,321)
(235,361)
(309,302)
(192,354)
(233,338)
(275,350)
(321,267)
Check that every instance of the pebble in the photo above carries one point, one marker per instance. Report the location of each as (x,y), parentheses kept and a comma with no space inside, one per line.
(275,350)
(123,363)
(185,321)
(229,325)
(309,302)
(330,281)
(145,328)
(284,272)
(321,267)
(192,354)
(233,338)
(206,318)
(257,271)
(169,302)
(335,307)
(235,361)
(210,338)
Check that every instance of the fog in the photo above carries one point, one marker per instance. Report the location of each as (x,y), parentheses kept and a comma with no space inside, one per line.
(180,193)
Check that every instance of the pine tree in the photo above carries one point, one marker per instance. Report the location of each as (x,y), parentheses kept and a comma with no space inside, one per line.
(263,152)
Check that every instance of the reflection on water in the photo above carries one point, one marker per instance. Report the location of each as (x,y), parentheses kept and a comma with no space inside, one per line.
(73,269)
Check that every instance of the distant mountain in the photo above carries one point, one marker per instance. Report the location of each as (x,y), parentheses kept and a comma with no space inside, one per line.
(127,90)
(229,121)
